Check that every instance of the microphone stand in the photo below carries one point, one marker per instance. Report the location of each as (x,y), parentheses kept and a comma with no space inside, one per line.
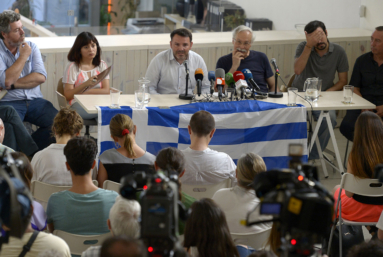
(276,94)
(186,96)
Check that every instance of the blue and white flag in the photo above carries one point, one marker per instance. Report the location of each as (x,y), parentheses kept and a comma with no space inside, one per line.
(259,127)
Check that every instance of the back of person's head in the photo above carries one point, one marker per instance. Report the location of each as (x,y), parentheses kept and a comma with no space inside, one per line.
(122,126)
(25,170)
(373,248)
(202,123)
(313,25)
(274,240)
(124,216)
(262,253)
(367,149)
(67,122)
(171,158)
(80,152)
(122,246)
(248,167)
(207,230)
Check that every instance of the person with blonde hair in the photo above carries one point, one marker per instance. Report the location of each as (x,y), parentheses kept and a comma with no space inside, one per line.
(127,159)
(49,163)
(237,201)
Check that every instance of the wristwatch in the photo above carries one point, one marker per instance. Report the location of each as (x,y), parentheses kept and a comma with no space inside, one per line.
(12,86)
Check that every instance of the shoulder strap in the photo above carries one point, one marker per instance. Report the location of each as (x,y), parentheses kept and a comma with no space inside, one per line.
(28,246)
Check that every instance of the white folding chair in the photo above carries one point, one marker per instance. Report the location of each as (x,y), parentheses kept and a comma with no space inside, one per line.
(364,187)
(80,243)
(42,191)
(255,240)
(110,185)
(205,191)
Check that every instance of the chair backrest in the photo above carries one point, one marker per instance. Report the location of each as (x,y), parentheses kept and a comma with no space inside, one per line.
(110,185)
(362,186)
(80,243)
(205,191)
(60,94)
(255,240)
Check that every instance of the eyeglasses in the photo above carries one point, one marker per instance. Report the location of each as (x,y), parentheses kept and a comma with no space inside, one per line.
(242,43)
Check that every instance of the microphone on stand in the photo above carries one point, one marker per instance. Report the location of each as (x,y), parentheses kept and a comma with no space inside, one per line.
(240,83)
(211,77)
(220,81)
(249,77)
(275,94)
(186,96)
(198,75)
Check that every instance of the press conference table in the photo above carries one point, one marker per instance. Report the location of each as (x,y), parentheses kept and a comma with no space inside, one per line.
(328,101)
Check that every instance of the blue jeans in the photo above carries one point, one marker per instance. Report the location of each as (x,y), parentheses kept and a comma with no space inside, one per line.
(16,136)
(323,133)
(39,112)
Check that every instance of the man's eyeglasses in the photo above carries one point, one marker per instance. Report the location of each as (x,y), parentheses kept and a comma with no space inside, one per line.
(246,43)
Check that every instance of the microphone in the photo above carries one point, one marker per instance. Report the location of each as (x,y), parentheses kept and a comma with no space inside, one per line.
(240,82)
(186,66)
(186,96)
(249,78)
(198,75)
(211,77)
(275,94)
(229,79)
(274,63)
(220,80)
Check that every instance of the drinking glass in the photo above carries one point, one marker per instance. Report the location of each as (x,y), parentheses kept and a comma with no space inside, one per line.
(348,91)
(292,94)
(140,98)
(114,98)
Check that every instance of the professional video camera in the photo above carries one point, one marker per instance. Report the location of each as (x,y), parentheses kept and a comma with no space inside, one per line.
(15,199)
(301,207)
(378,173)
(160,210)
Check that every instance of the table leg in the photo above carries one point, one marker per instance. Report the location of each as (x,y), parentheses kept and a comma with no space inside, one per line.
(334,143)
(315,139)
(323,163)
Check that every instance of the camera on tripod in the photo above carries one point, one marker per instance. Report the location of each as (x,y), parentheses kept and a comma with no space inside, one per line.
(301,207)
(160,209)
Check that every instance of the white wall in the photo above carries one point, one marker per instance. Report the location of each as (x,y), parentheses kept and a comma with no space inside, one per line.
(373,16)
(286,13)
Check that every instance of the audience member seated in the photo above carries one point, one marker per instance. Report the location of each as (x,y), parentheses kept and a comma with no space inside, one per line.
(207,233)
(84,208)
(21,73)
(3,148)
(365,154)
(173,158)
(205,166)
(373,248)
(39,218)
(123,247)
(16,135)
(129,158)
(236,202)
(80,76)
(49,164)
(123,221)
(42,243)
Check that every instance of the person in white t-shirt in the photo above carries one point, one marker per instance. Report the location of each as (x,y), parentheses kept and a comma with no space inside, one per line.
(205,166)
(49,164)
(80,76)
(236,202)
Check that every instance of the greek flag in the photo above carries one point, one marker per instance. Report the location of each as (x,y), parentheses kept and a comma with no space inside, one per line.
(259,127)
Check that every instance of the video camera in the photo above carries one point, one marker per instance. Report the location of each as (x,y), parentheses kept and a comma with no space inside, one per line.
(15,199)
(378,173)
(301,207)
(160,210)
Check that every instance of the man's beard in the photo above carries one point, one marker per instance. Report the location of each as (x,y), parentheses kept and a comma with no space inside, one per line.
(183,58)
(17,43)
(321,46)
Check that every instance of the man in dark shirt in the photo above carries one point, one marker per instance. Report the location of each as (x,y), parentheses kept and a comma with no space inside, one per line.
(244,58)
(367,79)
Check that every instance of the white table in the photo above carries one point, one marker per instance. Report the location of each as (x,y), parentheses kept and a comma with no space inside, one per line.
(327,102)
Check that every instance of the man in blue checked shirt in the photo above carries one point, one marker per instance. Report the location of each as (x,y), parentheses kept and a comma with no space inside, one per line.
(21,73)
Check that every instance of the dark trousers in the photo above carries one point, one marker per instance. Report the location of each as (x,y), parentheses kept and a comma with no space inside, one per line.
(39,112)
(347,127)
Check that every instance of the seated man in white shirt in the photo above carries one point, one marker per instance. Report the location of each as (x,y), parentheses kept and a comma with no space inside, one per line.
(167,73)
(205,166)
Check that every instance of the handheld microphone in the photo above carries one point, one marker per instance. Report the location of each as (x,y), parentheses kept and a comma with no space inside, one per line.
(220,80)
(229,79)
(240,82)
(211,77)
(274,63)
(250,80)
(198,75)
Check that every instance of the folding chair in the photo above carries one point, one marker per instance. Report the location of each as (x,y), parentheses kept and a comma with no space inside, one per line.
(364,187)
(205,191)
(255,240)
(110,185)
(80,243)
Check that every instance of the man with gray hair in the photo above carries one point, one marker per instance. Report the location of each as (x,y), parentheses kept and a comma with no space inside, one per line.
(123,221)
(21,73)
(244,58)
